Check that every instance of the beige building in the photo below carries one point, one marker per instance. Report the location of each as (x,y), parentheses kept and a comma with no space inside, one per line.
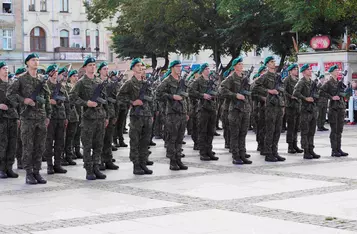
(11,46)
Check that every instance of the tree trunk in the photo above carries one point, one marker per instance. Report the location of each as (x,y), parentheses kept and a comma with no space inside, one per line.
(153,61)
(166,65)
(283,56)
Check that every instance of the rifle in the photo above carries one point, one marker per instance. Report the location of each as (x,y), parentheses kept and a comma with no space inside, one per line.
(112,86)
(278,83)
(314,94)
(245,88)
(34,96)
(212,84)
(96,97)
(341,87)
(143,95)
(56,93)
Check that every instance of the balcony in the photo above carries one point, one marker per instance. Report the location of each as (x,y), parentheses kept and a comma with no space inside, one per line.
(76,54)
(7,20)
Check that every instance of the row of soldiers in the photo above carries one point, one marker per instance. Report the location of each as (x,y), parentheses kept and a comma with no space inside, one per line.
(89,108)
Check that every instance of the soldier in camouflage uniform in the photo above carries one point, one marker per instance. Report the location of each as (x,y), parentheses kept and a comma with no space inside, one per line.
(206,112)
(193,104)
(112,108)
(34,118)
(59,101)
(303,91)
(171,92)
(336,114)
(322,103)
(267,86)
(87,92)
(8,127)
(135,93)
(235,88)
(292,110)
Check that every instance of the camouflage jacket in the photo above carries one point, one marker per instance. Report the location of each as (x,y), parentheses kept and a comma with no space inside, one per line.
(82,92)
(227,101)
(23,88)
(302,90)
(165,92)
(330,89)
(323,98)
(192,102)
(263,84)
(289,85)
(62,109)
(75,110)
(196,91)
(231,86)
(130,92)
(11,112)
(111,90)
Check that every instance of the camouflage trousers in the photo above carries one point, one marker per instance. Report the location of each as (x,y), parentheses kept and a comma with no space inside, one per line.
(273,124)
(77,135)
(239,124)
(308,129)
(107,154)
(293,121)
(8,141)
(140,136)
(336,118)
(159,125)
(226,128)
(322,111)
(219,104)
(70,135)
(194,133)
(55,141)
(260,131)
(33,137)
(92,135)
(254,116)
(120,125)
(19,147)
(175,130)
(206,130)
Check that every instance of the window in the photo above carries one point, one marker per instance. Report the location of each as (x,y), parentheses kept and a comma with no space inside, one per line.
(87,38)
(7,39)
(32,6)
(43,5)
(38,39)
(64,5)
(6,6)
(64,38)
(97,38)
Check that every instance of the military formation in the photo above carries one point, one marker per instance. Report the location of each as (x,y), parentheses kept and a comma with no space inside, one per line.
(49,117)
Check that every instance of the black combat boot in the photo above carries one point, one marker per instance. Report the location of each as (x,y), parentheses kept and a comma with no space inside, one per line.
(245,160)
(102,166)
(343,154)
(277,156)
(152,143)
(70,160)
(122,144)
(297,149)
(30,179)
(10,173)
(226,146)
(145,169)
(64,162)
(325,129)
(59,169)
(291,149)
(38,177)
(149,163)
(3,174)
(89,173)
(313,154)
(97,173)
(173,165)
(111,166)
(138,170)
(195,147)
(78,152)
(270,158)
(114,148)
(335,153)
(212,157)
(113,160)
(181,165)
(50,170)
(216,134)
(205,158)
(247,155)
(115,143)
(307,154)
(237,160)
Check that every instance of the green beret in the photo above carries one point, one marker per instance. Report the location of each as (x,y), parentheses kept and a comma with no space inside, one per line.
(62,70)
(113,73)
(304,67)
(237,60)
(332,68)
(174,63)
(196,70)
(2,64)
(256,76)
(51,68)
(11,75)
(292,66)
(322,76)
(72,72)
(166,75)
(268,59)
(31,56)
(20,71)
(134,62)
(101,65)
(262,68)
(203,67)
(227,72)
(88,61)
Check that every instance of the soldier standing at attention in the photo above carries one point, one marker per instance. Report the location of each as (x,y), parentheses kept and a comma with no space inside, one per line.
(87,93)
(193,102)
(8,127)
(134,92)
(58,122)
(336,113)
(293,108)
(322,103)
(267,86)
(34,118)
(206,112)
(308,112)
(176,114)
(239,111)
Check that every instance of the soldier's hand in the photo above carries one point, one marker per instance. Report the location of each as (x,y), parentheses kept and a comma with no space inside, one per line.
(47,122)
(207,96)
(18,124)
(66,123)
(137,102)
(177,97)
(240,96)
(336,98)
(3,107)
(273,91)
(29,101)
(53,102)
(187,117)
(309,99)
(92,104)
(106,123)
